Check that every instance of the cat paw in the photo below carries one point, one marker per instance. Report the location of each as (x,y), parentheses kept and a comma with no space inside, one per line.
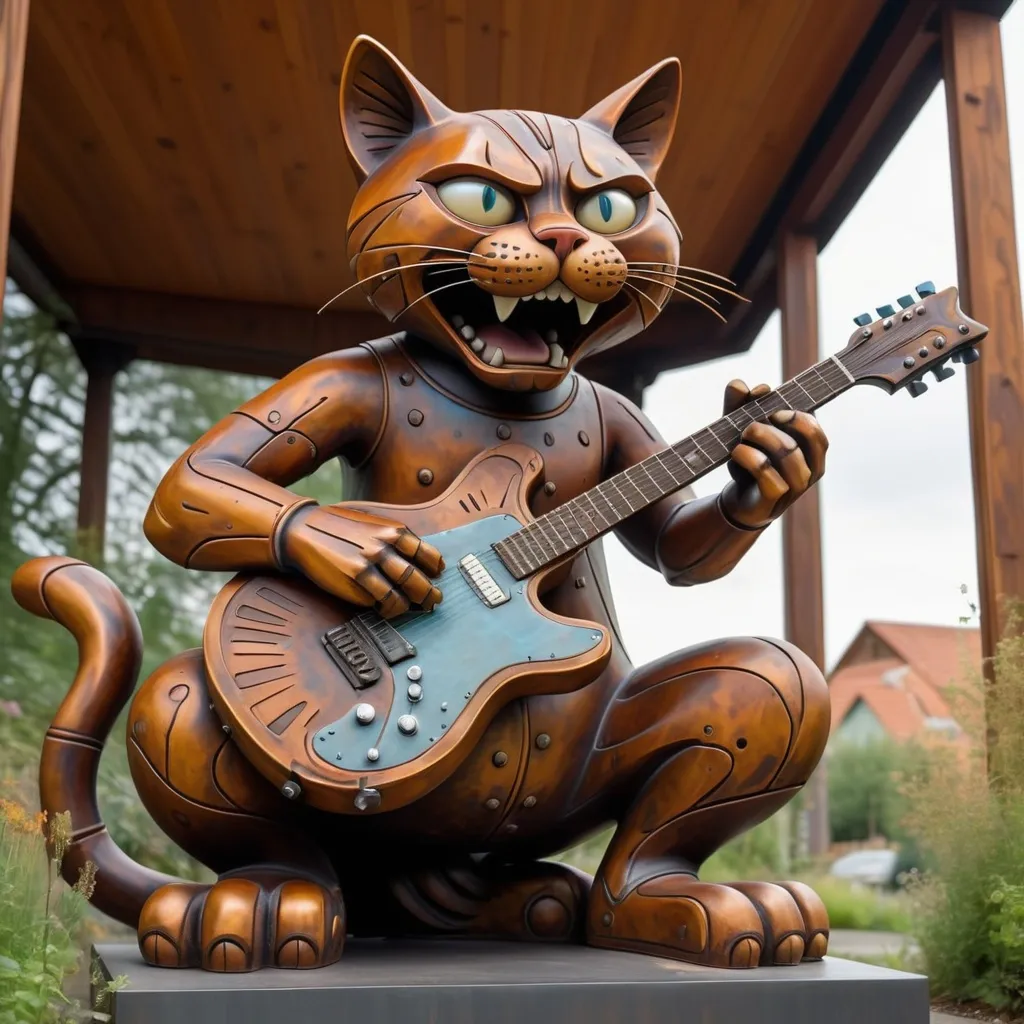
(742,925)
(238,925)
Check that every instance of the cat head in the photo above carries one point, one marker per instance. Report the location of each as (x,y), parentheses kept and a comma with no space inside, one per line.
(509,238)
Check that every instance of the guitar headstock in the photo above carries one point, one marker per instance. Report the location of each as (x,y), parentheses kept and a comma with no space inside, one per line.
(920,337)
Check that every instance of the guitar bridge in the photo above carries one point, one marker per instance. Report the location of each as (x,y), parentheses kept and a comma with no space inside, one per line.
(482,582)
(358,645)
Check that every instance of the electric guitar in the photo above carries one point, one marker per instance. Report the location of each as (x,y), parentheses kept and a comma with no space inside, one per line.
(353,713)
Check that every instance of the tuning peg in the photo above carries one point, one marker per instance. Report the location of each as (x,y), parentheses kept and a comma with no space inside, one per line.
(862,319)
(906,300)
(969,355)
(885,311)
(925,288)
(943,372)
(917,388)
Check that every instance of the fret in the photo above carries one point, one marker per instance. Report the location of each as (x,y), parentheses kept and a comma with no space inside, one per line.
(576,523)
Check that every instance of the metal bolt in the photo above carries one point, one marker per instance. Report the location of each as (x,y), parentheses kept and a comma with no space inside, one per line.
(367,799)
(405,379)
(866,333)
(964,329)
(887,322)
(549,487)
(580,582)
(425,477)
(415,417)
(909,362)
(543,741)
(923,352)
(708,730)
(492,804)
(939,342)
(500,759)
(530,801)
(919,311)
(291,790)
(504,431)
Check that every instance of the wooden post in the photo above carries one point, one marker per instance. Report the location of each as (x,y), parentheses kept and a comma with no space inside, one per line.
(13,33)
(102,362)
(801,525)
(990,292)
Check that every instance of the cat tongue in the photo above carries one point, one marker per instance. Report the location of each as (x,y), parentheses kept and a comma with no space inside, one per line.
(526,347)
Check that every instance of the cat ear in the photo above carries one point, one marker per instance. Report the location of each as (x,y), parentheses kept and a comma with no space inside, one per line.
(382,105)
(641,116)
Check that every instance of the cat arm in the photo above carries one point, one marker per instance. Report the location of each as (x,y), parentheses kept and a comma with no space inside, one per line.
(694,540)
(225,504)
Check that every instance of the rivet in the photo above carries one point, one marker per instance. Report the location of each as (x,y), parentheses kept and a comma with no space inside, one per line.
(908,315)
(291,790)
(543,741)
(511,828)
(580,582)
(415,417)
(549,487)
(291,439)
(274,416)
(444,705)
(909,362)
(606,919)
(923,352)
(500,759)
(530,801)
(425,477)
(504,431)
(405,379)
(492,804)
(226,729)
(866,333)
(964,329)
(919,311)
(584,438)
(887,322)
(939,342)
(708,730)
(549,440)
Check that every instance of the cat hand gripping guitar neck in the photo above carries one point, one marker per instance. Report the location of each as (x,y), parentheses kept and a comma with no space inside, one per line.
(404,702)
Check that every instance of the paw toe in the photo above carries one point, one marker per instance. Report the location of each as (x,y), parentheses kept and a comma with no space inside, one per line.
(745,953)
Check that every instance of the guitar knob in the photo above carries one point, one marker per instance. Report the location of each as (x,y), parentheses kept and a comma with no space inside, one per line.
(414,672)
(407,725)
(372,754)
(365,713)
(415,692)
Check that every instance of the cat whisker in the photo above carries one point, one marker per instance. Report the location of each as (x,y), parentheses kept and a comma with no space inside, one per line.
(642,294)
(433,291)
(697,280)
(680,291)
(690,287)
(394,270)
(417,245)
(679,266)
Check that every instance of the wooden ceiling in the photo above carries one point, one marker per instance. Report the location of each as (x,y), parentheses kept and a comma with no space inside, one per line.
(192,147)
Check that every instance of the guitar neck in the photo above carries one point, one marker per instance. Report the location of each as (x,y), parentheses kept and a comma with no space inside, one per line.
(570,527)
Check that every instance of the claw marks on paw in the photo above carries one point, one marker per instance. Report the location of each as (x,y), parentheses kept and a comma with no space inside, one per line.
(238,925)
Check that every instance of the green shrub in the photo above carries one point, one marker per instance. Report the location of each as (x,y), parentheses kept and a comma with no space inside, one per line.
(39,920)
(854,906)
(969,909)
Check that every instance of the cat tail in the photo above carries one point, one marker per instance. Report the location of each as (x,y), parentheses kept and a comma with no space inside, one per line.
(94,611)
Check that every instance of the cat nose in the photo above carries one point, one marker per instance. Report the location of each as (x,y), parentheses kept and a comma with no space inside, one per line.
(562,238)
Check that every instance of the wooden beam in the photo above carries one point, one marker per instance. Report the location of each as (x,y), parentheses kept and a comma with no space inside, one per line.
(241,337)
(990,292)
(13,33)
(101,362)
(801,524)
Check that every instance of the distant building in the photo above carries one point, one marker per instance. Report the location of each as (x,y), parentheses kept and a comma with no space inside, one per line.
(895,679)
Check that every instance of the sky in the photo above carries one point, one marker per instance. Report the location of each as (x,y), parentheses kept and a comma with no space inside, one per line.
(896,500)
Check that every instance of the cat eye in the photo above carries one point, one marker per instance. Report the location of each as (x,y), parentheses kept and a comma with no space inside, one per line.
(607,212)
(478,201)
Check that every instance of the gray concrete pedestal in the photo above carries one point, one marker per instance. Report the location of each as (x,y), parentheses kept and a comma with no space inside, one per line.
(454,982)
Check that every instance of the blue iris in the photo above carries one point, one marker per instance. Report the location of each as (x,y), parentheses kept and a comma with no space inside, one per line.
(490,197)
(605,203)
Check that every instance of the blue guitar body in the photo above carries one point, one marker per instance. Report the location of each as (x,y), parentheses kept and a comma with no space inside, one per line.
(355,714)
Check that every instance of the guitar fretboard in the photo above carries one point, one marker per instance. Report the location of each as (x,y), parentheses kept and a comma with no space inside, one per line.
(570,527)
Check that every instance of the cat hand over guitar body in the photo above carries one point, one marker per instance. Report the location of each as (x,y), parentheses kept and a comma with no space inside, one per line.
(361,558)
(352,755)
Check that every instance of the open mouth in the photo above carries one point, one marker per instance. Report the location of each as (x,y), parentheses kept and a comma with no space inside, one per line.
(545,328)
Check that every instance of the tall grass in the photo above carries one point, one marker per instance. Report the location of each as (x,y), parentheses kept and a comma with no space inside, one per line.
(968,816)
(40,920)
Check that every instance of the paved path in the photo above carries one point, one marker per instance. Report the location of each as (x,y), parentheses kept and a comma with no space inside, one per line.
(846,942)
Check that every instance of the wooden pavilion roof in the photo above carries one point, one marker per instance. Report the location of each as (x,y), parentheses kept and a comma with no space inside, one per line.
(181,185)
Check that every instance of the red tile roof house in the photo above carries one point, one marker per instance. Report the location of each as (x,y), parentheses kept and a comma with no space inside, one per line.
(908,683)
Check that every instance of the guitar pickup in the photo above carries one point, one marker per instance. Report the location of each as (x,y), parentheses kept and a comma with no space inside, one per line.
(357,647)
(482,582)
